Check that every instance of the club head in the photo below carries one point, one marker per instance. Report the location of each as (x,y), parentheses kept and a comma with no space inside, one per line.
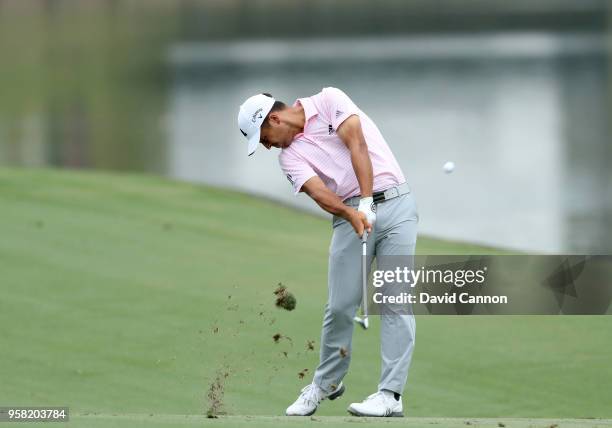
(363,322)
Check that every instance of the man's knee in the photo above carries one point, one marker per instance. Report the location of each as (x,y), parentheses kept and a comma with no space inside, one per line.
(342,314)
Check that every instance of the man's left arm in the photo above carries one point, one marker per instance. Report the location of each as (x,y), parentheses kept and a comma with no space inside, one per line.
(344,117)
(352,136)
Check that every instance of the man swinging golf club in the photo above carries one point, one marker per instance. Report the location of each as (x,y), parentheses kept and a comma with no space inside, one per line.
(333,151)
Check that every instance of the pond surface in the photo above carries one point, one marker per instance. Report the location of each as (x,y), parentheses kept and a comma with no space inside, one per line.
(525,118)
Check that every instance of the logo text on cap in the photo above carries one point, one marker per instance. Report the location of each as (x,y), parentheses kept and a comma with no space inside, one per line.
(255,115)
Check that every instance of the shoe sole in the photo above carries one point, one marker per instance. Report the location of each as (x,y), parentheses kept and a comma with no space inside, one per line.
(337,394)
(332,397)
(392,415)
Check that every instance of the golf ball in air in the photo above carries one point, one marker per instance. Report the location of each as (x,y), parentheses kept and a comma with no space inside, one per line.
(449,167)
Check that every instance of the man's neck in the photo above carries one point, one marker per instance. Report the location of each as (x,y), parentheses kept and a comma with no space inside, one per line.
(296,118)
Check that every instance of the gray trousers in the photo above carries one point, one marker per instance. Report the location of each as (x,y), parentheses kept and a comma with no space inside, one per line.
(394,233)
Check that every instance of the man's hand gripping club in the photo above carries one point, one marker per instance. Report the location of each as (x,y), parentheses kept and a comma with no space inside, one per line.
(362,219)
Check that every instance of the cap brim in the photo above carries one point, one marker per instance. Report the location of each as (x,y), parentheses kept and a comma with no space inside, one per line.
(254,142)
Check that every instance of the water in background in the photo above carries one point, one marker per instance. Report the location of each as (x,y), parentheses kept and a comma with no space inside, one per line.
(524,117)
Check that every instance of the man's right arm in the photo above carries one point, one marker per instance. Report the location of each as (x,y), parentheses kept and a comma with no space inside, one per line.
(330,202)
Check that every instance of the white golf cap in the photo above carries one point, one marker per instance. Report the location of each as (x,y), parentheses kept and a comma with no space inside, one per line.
(250,117)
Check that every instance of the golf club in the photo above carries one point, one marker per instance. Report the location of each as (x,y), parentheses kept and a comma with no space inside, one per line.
(363,319)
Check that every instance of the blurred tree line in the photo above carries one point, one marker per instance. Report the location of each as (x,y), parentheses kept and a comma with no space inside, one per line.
(84,83)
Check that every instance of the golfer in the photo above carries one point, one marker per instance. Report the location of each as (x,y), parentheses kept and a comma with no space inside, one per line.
(333,151)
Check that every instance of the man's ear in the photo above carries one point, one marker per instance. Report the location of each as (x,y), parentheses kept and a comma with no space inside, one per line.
(274,118)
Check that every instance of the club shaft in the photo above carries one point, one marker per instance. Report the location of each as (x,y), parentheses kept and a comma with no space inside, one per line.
(364,273)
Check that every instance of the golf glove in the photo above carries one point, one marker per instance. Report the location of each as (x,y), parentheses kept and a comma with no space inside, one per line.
(367,206)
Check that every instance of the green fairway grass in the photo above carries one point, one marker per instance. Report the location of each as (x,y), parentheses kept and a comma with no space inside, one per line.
(122,296)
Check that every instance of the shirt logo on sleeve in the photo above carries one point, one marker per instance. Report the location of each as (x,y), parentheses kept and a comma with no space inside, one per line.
(291,180)
(330,129)
(339,113)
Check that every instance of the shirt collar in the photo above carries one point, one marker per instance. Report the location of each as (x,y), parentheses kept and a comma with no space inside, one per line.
(309,112)
(309,109)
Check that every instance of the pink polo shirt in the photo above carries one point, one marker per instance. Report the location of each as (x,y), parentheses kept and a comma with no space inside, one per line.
(319,151)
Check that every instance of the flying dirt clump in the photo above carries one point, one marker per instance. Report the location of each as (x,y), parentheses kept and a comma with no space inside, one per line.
(215,394)
(284,299)
(310,345)
(277,338)
(302,373)
(344,352)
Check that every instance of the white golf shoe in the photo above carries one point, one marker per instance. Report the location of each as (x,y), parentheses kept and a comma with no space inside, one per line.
(382,403)
(310,398)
